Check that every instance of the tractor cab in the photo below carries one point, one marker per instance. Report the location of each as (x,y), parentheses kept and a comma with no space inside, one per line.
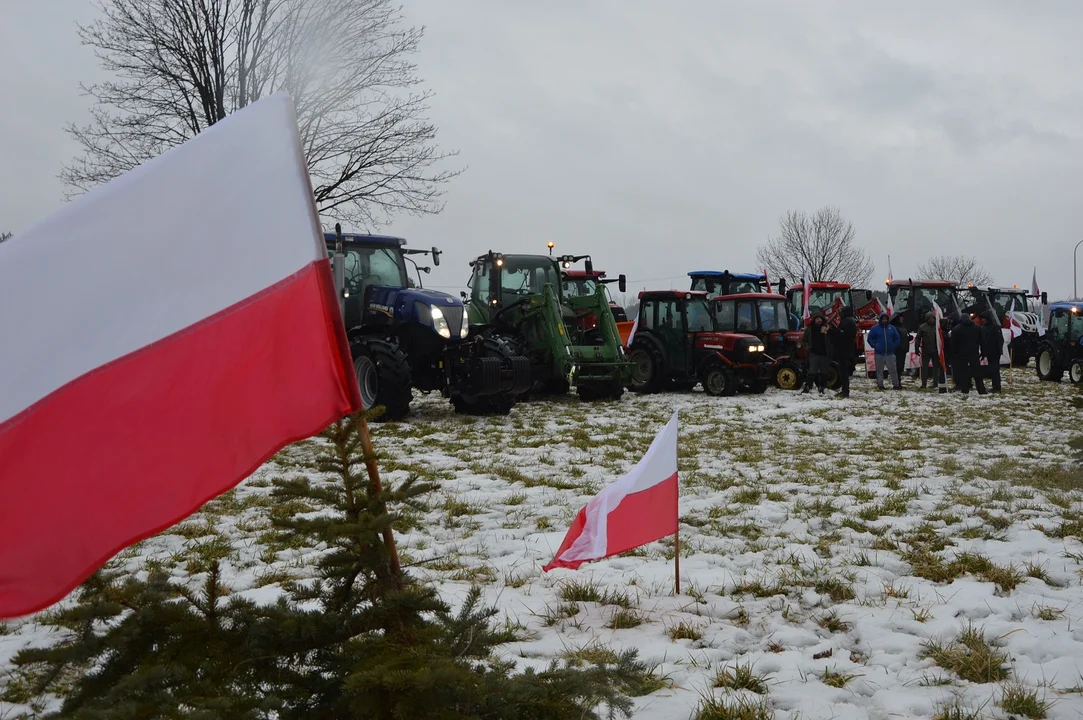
(1008,304)
(580,283)
(1061,346)
(912,300)
(522,297)
(724,282)
(826,298)
(677,345)
(764,315)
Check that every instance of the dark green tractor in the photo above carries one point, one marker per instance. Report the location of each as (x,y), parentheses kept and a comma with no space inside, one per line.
(520,297)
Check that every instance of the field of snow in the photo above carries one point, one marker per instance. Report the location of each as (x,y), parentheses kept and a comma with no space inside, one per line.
(897,554)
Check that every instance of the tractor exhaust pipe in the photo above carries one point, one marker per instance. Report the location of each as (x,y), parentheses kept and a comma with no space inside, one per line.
(338,271)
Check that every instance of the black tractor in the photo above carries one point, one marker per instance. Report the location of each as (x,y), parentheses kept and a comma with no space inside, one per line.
(675,346)
(403,336)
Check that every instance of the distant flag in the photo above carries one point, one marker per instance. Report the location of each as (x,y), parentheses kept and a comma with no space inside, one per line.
(890,277)
(635,326)
(639,508)
(1034,284)
(766,280)
(806,297)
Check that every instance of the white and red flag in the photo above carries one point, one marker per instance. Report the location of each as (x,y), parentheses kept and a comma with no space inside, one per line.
(1034,283)
(766,280)
(164,335)
(890,277)
(1013,324)
(806,297)
(639,508)
(938,315)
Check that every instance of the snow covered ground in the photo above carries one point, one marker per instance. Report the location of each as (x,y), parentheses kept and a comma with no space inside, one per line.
(899,554)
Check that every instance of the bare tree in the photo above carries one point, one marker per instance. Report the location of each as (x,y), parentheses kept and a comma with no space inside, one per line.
(4,236)
(957,268)
(823,243)
(179,66)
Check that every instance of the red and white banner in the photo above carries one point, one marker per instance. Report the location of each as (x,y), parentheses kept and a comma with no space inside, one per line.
(806,297)
(1034,290)
(938,316)
(164,335)
(639,508)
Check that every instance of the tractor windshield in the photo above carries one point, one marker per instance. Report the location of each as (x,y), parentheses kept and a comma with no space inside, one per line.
(922,299)
(699,316)
(366,266)
(773,315)
(528,275)
(820,299)
(580,287)
(1002,302)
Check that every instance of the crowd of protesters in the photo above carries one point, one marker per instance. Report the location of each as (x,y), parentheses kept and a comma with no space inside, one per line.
(972,349)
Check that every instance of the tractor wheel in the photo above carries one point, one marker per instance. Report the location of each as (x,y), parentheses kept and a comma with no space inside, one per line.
(1048,368)
(1075,372)
(647,370)
(833,378)
(498,403)
(719,380)
(788,376)
(383,375)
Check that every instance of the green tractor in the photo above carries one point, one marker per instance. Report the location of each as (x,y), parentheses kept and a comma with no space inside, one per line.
(519,297)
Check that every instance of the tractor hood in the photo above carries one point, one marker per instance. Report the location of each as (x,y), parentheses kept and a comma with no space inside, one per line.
(414,305)
(724,340)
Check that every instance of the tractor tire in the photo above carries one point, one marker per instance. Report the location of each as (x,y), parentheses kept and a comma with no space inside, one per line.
(1075,372)
(383,375)
(1046,363)
(834,379)
(647,367)
(500,403)
(595,391)
(788,376)
(719,380)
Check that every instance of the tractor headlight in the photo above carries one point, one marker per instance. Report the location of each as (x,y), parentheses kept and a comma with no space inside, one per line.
(465,329)
(439,322)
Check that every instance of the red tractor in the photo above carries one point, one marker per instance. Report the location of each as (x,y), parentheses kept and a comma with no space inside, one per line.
(676,346)
(767,316)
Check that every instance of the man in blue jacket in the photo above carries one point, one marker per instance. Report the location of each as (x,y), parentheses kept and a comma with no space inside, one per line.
(884,340)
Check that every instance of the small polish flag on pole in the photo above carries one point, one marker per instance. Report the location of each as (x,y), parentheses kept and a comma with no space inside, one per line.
(635,326)
(639,508)
(806,297)
(1034,283)
(766,280)
(164,335)
(890,277)
(938,315)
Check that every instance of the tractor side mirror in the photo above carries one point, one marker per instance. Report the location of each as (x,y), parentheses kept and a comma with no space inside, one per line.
(622,283)
(588,266)
(781,286)
(435,256)
(462,294)
(1045,298)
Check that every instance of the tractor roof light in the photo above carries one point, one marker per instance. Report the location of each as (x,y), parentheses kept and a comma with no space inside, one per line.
(500,262)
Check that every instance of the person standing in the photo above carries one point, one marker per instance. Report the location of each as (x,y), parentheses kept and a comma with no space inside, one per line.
(966,346)
(925,347)
(817,341)
(884,339)
(992,347)
(844,342)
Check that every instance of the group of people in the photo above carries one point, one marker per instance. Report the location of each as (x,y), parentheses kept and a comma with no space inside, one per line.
(972,350)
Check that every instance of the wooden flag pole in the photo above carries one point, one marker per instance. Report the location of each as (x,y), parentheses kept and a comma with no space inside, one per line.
(375,488)
(677,562)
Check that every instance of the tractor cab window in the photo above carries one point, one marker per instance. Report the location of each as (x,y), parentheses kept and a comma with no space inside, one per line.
(738,287)
(725,315)
(373,266)
(646,314)
(1075,326)
(526,276)
(579,287)
(699,317)
(1059,325)
(773,315)
(479,282)
(1002,302)
(700,284)
(668,315)
(901,298)
(746,316)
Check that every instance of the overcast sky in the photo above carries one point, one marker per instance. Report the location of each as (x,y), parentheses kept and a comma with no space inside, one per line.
(667,137)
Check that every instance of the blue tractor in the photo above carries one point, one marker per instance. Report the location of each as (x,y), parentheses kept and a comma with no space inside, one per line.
(403,336)
(1061,347)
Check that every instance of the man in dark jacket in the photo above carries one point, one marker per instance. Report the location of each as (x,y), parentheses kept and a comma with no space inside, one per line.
(817,340)
(884,339)
(844,343)
(925,346)
(966,346)
(992,347)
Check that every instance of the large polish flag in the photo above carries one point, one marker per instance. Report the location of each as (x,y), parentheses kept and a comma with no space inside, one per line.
(163,336)
(639,508)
